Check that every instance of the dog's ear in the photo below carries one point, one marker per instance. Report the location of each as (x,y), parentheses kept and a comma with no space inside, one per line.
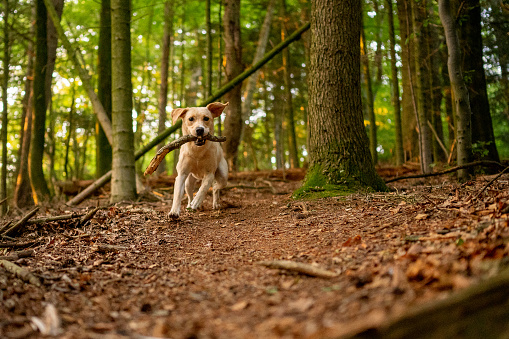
(216,108)
(178,113)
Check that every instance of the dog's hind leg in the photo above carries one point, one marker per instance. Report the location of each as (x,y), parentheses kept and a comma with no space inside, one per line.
(221,177)
(191,180)
(202,192)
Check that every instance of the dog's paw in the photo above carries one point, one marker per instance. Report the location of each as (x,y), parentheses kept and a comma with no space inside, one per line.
(173,215)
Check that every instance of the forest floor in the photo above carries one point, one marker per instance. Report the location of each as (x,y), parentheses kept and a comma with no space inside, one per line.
(130,272)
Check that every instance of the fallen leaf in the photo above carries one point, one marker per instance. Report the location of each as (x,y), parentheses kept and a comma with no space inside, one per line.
(421,216)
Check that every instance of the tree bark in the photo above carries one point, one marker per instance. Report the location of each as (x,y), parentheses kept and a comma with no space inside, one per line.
(233,53)
(123,183)
(289,114)
(398,147)
(422,85)
(473,69)
(460,91)
(338,145)
(5,84)
(37,180)
(103,147)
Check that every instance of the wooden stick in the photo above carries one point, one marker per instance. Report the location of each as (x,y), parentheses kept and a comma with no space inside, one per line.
(491,182)
(20,272)
(17,244)
(486,163)
(158,158)
(299,268)
(17,255)
(438,139)
(22,222)
(90,215)
(54,218)
(5,227)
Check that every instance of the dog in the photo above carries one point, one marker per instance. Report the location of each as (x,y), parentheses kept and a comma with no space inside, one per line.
(199,160)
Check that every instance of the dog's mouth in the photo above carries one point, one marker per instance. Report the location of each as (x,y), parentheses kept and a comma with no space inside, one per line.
(200,141)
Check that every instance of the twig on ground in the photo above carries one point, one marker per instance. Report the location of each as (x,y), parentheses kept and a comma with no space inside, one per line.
(17,244)
(54,218)
(486,163)
(104,248)
(17,255)
(22,222)
(491,182)
(299,268)
(158,158)
(20,272)
(6,226)
(90,215)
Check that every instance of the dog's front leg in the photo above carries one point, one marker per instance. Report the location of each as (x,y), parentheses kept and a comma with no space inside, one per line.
(202,192)
(178,193)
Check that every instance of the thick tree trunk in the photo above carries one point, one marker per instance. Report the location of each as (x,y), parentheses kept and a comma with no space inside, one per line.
(5,84)
(289,114)
(123,183)
(37,180)
(460,91)
(422,85)
(233,53)
(338,145)
(408,118)
(473,67)
(369,96)
(398,147)
(103,147)
(165,65)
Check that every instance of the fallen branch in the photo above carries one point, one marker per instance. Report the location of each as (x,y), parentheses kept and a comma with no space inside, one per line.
(20,272)
(158,158)
(17,244)
(299,268)
(22,222)
(105,248)
(17,255)
(54,218)
(491,182)
(90,215)
(485,163)
(5,227)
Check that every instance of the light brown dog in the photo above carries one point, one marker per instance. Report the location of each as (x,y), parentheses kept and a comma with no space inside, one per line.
(200,160)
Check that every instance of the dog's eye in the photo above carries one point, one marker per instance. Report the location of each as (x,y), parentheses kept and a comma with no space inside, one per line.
(191,119)
(206,119)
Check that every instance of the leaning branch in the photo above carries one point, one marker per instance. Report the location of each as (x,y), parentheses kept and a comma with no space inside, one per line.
(158,158)
(22,222)
(485,163)
(299,268)
(83,73)
(20,272)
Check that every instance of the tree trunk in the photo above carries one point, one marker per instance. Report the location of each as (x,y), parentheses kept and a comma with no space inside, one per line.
(338,145)
(123,183)
(398,147)
(5,84)
(37,180)
(460,91)
(422,85)
(220,63)
(408,118)
(70,129)
(103,147)
(278,109)
(289,114)
(23,190)
(473,69)
(233,53)
(369,97)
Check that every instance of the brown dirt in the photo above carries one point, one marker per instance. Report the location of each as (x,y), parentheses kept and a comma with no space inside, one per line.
(198,277)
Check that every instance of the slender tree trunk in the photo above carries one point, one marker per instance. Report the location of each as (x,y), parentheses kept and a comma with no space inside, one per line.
(182,65)
(51,145)
(473,68)
(338,145)
(165,65)
(233,52)
(408,118)
(220,63)
(208,25)
(279,146)
(398,148)
(379,48)
(38,182)
(421,86)
(123,183)
(436,91)
(103,147)
(5,84)
(370,100)
(70,129)
(289,114)
(23,190)
(461,98)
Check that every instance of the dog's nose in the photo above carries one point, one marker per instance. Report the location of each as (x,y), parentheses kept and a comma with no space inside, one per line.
(200,131)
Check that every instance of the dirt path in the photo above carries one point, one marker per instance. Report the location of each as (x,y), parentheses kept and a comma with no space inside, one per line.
(199,278)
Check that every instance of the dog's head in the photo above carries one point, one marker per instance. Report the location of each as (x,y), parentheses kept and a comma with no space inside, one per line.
(198,121)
